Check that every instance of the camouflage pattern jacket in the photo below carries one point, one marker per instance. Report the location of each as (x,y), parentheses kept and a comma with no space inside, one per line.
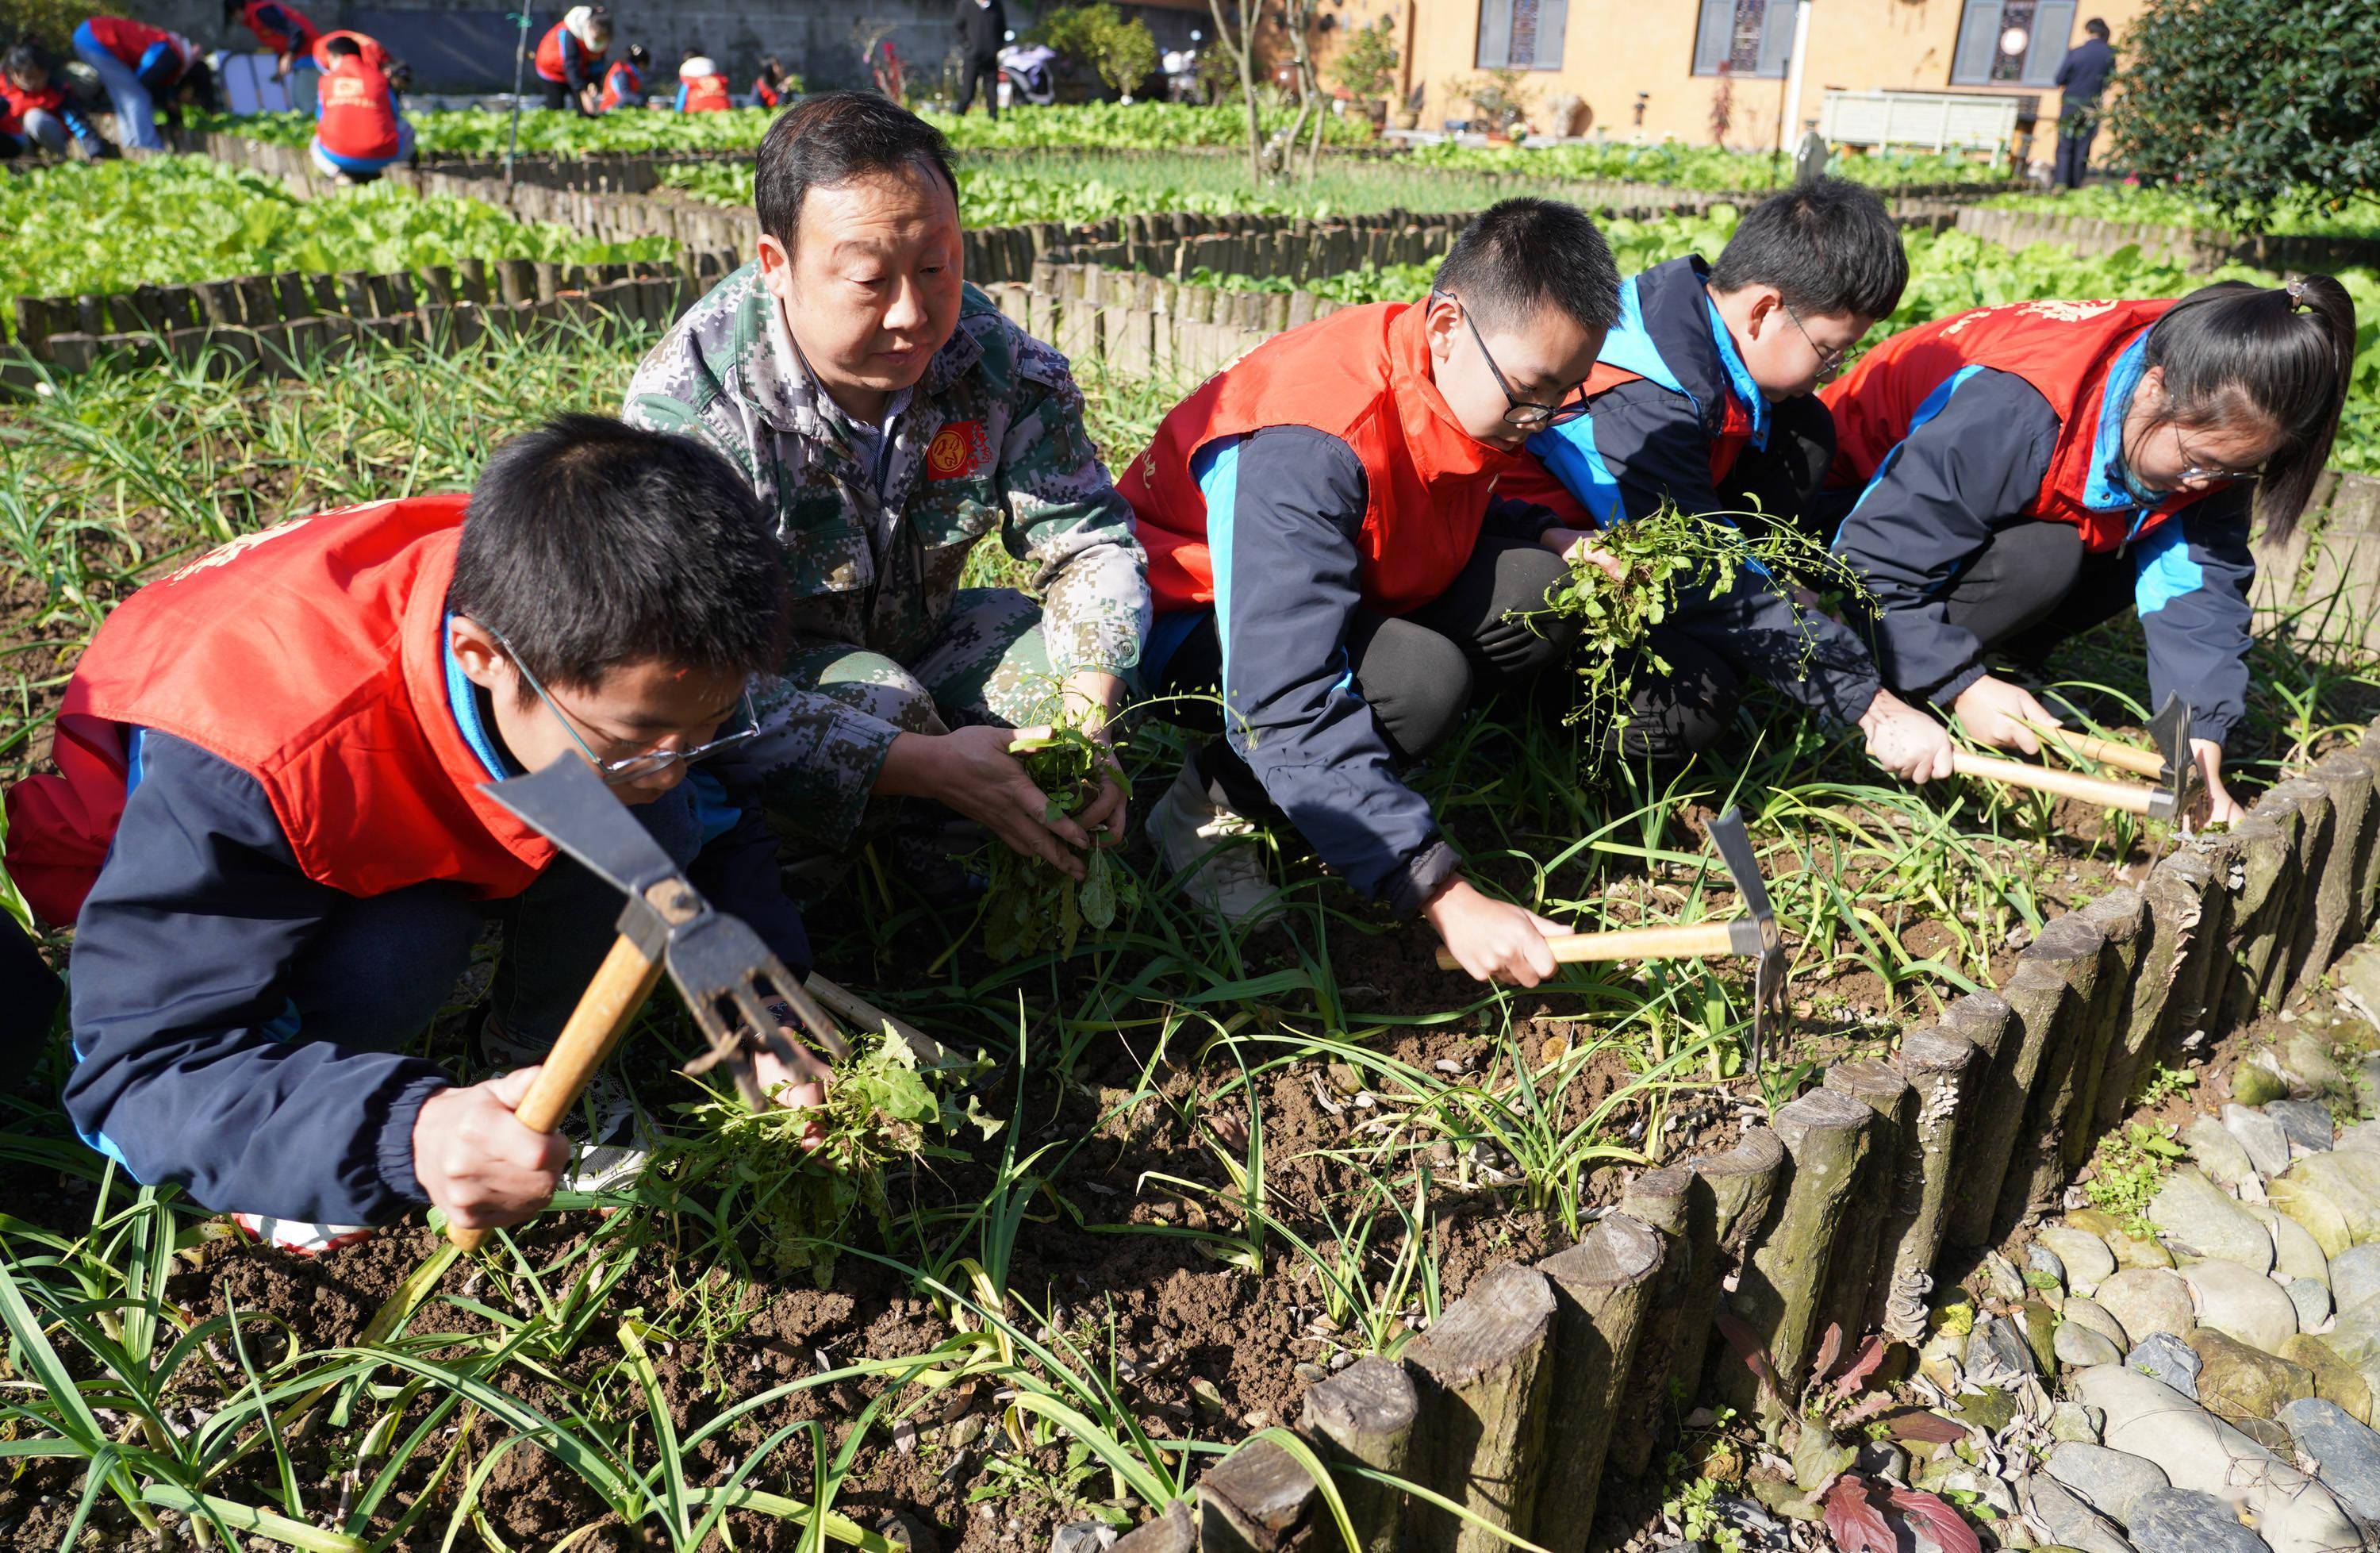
(994,434)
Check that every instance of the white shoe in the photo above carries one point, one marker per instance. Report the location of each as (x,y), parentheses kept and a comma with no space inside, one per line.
(298,1236)
(609,1136)
(1220,854)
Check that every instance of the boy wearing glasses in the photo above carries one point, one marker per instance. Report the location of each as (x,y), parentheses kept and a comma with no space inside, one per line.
(270,830)
(1329,543)
(1703,398)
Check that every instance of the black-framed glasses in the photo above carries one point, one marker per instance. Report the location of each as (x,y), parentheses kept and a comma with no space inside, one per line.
(1830,362)
(1521,415)
(645,762)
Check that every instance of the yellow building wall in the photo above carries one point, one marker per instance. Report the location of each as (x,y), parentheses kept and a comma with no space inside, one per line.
(1614,49)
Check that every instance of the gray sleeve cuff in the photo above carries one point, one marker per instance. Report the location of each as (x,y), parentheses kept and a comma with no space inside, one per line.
(1418,878)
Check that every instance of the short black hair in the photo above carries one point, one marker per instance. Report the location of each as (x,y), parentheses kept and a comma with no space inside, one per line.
(1518,256)
(834,139)
(342,48)
(2097,27)
(26,57)
(639,54)
(2283,354)
(589,543)
(1829,247)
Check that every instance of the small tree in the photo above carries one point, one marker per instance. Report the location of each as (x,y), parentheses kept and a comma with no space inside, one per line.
(2244,102)
(1367,64)
(1501,100)
(1122,53)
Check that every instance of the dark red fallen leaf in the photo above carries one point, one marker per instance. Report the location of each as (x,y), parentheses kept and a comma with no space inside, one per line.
(1830,1348)
(1747,1348)
(1945,1525)
(1853,1521)
(1917,1423)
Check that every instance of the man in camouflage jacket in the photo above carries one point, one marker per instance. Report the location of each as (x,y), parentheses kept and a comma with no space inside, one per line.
(884,467)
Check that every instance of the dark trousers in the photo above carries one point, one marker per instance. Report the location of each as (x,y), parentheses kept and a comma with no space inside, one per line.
(558,95)
(986,69)
(1685,710)
(2033,586)
(382,967)
(2076,129)
(1418,672)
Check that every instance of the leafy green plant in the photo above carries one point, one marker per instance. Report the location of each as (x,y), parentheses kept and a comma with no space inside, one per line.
(1030,906)
(1660,559)
(1120,50)
(2127,1167)
(1365,65)
(799,1180)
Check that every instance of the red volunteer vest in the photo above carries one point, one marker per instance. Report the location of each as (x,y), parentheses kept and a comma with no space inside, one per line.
(1532,482)
(130,40)
(308,33)
(374,54)
(359,118)
(707,94)
(2063,349)
(549,53)
(1363,375)
(620,82)
(340,617)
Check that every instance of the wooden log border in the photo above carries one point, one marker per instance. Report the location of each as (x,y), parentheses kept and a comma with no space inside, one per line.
(1524,1407)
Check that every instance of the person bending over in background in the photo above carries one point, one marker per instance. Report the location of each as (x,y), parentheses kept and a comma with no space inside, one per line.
(1326,544)
(891,420)
(143,68)
(271,827)
(1705,399)
(570,57)
(624,83)
(2014,475)
(361,133)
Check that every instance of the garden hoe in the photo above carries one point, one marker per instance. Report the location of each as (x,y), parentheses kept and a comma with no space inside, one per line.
(1755,937)
(2168,798)
(719,964)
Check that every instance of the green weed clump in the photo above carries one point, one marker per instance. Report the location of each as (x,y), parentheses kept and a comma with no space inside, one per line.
(1029,905)
(799,1181)
(1668,558)
(2127,1170)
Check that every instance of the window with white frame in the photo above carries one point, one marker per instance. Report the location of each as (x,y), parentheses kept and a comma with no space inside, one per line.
(2011,42)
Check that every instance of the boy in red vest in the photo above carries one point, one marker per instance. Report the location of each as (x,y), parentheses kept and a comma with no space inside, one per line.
(1325,543)
(1704,399)
(570,57)
(2015,475)
(269,827)
(361,133)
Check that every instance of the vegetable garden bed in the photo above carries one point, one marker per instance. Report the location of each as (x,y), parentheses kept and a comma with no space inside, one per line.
(1234,1176)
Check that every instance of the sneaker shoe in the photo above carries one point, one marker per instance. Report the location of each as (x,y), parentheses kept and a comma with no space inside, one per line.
(609,1134)
(297,1237)
(1220,855)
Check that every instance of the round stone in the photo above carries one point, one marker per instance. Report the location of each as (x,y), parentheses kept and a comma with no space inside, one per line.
(2248,1305)
(2085,1257)
(2177,1518)
(2148,1299)
(2093,1315)
(2077,1346)
(2114,1480)
(2189,1210)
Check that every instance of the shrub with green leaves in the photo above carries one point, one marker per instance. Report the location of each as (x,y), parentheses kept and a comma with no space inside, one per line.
(2245,104)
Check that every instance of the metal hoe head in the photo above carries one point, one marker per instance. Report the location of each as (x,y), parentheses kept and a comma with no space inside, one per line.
(1756,937)
(720,965)
(2179,788)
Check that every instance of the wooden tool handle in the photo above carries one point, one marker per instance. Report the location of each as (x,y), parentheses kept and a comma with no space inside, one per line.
(2106,794)
(626,979)
(2130,757)
(1633,943)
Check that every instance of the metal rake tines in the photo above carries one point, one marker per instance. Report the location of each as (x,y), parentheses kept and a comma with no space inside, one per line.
(718,964)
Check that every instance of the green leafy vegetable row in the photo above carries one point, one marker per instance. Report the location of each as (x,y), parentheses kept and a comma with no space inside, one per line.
(2298,214)
(1114,125)
(1688,167)
(111,226)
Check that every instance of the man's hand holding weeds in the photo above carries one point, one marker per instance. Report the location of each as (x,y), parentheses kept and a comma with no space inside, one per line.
(477,1161)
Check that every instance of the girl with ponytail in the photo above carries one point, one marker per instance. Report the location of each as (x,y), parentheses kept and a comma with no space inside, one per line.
(2011,476)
